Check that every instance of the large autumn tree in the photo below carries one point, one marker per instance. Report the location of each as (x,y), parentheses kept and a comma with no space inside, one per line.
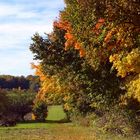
(105,32)
(91,60)
(68,79)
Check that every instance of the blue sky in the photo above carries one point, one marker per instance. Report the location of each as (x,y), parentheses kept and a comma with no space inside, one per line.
(19,20)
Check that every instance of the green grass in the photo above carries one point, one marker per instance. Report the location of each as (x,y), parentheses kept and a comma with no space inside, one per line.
(32,125)
(56,113)
(55,131)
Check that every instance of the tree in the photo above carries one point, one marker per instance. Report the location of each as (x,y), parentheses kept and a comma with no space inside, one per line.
(67,78)
(40,110)
(20,103)
(108,32)
(3,102)
(90,62)
(14,82)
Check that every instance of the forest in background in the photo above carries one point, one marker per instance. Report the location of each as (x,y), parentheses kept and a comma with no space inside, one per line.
(29,82)
(17,95)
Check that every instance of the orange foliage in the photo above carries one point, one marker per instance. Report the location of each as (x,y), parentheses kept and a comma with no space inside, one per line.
(101,20)
(33,66)
(38,71)
(82,52)
(33,117)
(68,36)
(109,35)
(77,46)
(70,39)
(98,25)
(62,25)
(69,43)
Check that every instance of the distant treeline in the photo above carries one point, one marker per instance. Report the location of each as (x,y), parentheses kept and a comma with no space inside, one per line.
(25,83)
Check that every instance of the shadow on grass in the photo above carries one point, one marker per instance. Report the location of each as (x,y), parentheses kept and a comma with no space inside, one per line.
(47,121)
(58,121)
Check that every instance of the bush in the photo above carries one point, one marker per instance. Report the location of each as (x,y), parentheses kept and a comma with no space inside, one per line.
(116,120)
(20,103)
(40,110)
(3,101)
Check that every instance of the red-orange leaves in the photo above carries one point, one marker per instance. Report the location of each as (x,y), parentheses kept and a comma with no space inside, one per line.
(71,41)
(62,25)
(68,36)
(101,20)
(109,35)
(82,52)
(77,46)
(98,25)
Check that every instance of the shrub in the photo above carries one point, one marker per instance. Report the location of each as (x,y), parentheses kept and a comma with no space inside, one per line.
(20,103)
(40,110)
(116,120)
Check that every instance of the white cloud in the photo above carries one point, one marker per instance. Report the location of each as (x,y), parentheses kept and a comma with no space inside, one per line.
(30,9)
(18,22)
(16,64)
(15,27)
(13,36)
(21,12)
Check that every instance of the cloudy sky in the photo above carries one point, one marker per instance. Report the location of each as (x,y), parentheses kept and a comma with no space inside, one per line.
(19,20)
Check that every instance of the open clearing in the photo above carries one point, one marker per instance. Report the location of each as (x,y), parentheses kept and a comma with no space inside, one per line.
(54,129)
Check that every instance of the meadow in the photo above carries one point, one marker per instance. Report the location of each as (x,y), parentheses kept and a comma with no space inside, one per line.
(55,128)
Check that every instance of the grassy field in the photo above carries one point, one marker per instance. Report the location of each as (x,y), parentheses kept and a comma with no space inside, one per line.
(54,130)
(56,113)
